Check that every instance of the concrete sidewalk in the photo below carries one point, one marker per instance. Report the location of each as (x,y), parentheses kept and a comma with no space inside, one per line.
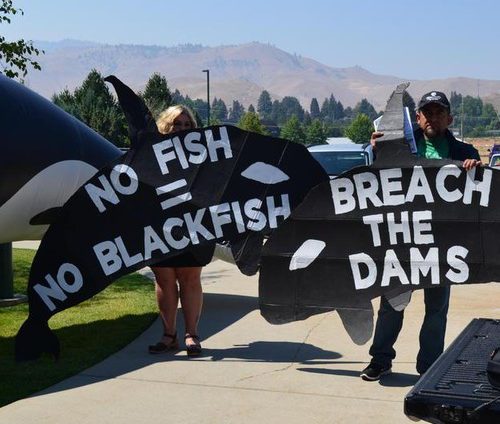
(251,371)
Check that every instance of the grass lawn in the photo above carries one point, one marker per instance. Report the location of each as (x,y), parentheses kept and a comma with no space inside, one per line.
(88,332)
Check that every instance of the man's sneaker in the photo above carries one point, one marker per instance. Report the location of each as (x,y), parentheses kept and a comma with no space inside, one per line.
(374,371)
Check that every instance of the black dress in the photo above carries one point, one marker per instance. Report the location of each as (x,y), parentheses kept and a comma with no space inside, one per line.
(196,256)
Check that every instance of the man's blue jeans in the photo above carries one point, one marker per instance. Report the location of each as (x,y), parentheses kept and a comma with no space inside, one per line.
(390,321)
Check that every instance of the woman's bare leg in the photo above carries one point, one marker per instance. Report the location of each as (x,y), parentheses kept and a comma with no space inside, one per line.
(167,297)
(191,296)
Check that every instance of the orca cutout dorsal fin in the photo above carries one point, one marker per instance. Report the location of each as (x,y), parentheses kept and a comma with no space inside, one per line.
(141,124)
(392,147)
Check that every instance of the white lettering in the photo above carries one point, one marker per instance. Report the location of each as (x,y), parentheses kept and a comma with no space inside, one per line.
(273,211)
(373,221)
(342,195)
(393,269)
(162,157)
(356,261)
(482,187)
(402,227)
(419,226)
(98,193)
(152,242)
(390,181)
(420,265)
(454,258)
(117,172)
(366,187)
(223,143)
(419,186)
(107,255)
(444,193)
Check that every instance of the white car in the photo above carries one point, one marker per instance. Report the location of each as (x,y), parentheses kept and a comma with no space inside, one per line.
(338,158)
(495,161)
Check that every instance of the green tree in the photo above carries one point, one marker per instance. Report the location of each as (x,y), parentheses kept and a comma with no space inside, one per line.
(339,111)
(360,129)
(455,103)
(332,110)
(157,95)
(290,106)
(250,122)
(314,109)
(277,114)
(251,109)
(236,111)
(366,108)
(15,56)
(307,119)
(490,117)
(219,111)
(292,130)
(265,105)
(94,105)
(315,133)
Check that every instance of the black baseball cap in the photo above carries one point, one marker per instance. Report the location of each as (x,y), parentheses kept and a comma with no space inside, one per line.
(434,97)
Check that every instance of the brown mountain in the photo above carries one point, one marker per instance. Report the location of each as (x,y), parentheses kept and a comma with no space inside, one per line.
(238,72)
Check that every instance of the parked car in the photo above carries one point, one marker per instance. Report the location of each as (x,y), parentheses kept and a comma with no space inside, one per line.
(495,160)
(338,158)
(494,150)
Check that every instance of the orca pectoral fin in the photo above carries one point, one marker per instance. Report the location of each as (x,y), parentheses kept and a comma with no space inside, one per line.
(358,322)
(398,300)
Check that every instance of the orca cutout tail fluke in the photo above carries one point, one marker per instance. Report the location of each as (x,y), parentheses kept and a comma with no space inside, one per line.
(392,146)
(35,338)
(141,124)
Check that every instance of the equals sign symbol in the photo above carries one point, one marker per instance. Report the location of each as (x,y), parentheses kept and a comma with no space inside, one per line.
(178,199)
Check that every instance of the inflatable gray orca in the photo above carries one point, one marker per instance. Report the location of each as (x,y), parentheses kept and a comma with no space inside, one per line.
(45,156)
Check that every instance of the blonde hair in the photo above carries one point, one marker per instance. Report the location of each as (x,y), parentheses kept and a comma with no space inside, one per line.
(165,121)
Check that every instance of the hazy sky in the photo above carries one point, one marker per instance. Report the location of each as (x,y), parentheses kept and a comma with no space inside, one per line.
(410,39)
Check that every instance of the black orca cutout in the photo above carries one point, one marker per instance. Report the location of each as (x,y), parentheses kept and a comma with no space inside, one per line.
(294,287)
(254,181)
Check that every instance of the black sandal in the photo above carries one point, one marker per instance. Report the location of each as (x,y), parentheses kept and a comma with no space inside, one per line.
(162,347)
(194,349)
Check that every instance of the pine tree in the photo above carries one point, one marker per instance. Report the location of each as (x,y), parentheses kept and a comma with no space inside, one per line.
(218,111)
(360,129)
(315,133)
(366,108)
(290,106)
(157,95)
(292,130)
(94,105)
(250,122)
(314,109)
(265,105)
(236,111)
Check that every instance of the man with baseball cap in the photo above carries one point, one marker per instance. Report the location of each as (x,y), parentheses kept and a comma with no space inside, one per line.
(434,141)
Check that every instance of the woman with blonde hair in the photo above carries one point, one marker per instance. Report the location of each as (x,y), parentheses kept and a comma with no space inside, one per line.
(179,277)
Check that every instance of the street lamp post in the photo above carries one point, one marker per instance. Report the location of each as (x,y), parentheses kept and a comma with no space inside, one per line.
(208,95)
